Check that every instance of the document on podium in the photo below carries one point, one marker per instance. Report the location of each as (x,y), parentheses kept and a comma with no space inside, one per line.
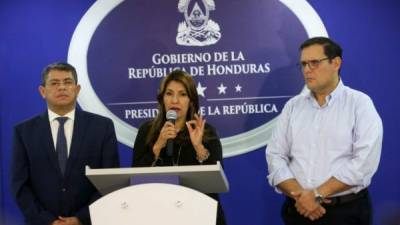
(203,178)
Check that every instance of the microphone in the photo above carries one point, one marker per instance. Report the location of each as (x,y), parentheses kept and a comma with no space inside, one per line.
(171,117)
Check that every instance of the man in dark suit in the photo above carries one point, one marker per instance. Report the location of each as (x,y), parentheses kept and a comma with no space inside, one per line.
(50,152)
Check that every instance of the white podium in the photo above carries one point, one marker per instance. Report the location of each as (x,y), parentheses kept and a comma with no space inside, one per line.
(157,203)
(154,204)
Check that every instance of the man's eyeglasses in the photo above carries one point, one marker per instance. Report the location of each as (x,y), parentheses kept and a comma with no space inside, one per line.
(312,64)
(58,83)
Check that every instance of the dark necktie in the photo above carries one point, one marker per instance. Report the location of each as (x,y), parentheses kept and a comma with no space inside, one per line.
(61,147)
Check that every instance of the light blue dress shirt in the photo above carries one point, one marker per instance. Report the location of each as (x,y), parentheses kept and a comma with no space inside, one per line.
(312,143)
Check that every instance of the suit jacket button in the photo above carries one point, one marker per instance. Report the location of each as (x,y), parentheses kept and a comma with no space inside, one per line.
(63,189)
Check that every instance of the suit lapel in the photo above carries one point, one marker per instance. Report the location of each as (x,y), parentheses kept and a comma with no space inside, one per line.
(78,134)
(47,141)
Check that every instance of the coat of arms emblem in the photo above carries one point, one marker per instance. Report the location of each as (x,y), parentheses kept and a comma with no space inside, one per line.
(197,29)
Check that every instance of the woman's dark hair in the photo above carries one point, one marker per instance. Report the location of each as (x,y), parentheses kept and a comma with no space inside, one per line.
(187,81)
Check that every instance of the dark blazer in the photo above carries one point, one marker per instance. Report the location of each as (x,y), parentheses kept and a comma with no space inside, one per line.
(41,191)
(184,154)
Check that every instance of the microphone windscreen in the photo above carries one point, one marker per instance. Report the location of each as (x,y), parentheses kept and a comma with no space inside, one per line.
(171,115)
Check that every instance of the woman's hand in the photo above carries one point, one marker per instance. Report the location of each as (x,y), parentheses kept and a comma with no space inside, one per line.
(168,131)
(196,130)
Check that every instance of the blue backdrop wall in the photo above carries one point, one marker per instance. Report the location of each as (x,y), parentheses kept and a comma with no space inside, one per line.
(36,33)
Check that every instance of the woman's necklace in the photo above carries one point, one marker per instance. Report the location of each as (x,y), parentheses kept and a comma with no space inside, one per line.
(176,163)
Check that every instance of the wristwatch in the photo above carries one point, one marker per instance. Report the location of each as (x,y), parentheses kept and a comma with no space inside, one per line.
(318,197)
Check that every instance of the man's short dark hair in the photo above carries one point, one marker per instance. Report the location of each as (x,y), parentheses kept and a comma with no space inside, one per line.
(331,49)
(63,66)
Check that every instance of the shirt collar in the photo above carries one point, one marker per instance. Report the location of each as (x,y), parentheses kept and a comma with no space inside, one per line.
(334,94)
(53,115)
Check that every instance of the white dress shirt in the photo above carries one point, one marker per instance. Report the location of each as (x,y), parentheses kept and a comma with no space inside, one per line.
(68,127)
(312,143)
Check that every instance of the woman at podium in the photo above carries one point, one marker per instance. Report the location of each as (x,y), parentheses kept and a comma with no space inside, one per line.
(178,135)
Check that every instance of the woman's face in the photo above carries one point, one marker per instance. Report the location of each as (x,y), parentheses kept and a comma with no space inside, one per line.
(176,98)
